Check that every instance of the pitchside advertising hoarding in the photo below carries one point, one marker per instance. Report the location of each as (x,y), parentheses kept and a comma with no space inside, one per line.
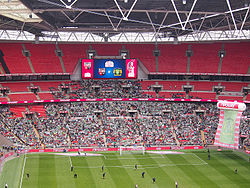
(109,68)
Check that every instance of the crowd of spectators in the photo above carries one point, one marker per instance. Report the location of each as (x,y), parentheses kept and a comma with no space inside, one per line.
(101,124)
(104,124)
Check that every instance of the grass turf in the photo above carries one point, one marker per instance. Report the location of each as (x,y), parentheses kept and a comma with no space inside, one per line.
(192,169)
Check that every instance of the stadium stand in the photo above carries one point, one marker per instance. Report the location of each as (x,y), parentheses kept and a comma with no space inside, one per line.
(46,96)
(107,49)
(203,85)
(71,55)
(17,111)
(14,58)
(43,58)
(154,128)
(234,86)
(17,86)
(39,109)
(3,99)
(144,53)
(205,56)
(22,97)
(172,58)
(236,59)
(203,95)
(222,97)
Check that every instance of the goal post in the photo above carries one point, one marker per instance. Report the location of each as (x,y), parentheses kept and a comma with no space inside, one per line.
(132,150)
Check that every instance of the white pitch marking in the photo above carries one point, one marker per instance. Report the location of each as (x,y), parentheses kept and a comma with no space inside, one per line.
(23,171)
(200,159)
(70,161)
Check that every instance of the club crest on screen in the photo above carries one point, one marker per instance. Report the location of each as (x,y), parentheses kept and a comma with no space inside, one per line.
(109,64)
(101,71)
(117,72)
(87,65)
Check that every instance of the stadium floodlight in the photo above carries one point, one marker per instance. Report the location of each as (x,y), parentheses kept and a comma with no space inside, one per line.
(125,1)
(184,2)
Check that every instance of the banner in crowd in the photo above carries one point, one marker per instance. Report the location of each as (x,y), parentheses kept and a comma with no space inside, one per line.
(227,134)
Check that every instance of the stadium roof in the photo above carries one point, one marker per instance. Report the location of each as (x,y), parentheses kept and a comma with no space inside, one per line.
(110,20)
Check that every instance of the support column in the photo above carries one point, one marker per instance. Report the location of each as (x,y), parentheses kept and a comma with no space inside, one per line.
(156,53)
(27,54)
(189,54)
(59,53)
(221,55)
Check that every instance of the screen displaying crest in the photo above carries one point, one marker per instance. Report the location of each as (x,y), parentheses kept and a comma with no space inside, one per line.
(109,68)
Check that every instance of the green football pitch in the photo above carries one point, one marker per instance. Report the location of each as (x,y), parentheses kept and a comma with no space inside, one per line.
(190,169)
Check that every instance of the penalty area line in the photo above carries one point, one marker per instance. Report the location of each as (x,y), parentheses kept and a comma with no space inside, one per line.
(22,171)
(70,161)
(200,159)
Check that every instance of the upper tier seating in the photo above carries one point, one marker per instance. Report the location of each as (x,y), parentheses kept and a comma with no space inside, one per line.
(43,58)
(205,58)
(144,53)
(172,58)
(14,58)
(71,55)
(237,58)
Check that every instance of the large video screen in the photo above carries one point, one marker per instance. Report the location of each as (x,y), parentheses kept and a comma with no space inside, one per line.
(109,68)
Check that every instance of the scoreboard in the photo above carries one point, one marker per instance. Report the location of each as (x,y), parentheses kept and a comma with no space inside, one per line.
(109,68)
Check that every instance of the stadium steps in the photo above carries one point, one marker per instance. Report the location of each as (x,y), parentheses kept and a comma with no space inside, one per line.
(5,141)
(14,135)
(174,135)
(26,54)
(59,54)
(36,132)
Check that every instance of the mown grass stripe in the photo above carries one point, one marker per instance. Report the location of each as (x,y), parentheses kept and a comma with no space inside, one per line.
(11,172)
(162,178)
(47,172)
(136,174)
(85,176)
(178,175)
(64,175)
(227,170)
(193,172)
(31,167)
(120,176)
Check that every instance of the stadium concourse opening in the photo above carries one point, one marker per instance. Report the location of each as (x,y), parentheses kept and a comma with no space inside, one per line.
(124,93)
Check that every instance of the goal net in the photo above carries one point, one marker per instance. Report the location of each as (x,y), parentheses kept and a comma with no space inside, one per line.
(132,150)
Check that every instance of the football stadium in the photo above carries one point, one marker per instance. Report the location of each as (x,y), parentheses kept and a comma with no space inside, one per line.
(124,93)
